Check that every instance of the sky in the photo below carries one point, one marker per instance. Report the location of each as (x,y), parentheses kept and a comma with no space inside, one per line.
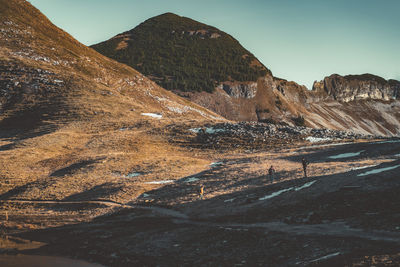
(298,40)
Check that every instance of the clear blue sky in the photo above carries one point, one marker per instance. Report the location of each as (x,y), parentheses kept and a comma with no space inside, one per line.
(299,40)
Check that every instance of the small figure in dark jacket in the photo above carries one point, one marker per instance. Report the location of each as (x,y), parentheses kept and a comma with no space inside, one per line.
(305,163)
(271,173)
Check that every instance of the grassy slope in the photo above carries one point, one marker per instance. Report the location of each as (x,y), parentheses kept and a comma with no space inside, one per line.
(59,139)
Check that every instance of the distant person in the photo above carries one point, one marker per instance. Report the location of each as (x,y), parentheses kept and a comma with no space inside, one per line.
(201,192)
(201,135)
(271,173)
(305,163)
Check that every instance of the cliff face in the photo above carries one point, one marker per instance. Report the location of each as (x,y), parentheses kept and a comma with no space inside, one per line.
(357,87)
(333,104)
(236,90)
(292,91)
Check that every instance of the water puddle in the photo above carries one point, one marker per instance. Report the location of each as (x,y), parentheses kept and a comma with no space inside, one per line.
(346,155)
(133,174)
(363,167)
(305,185)
(191,180)
(215,164)
(277,193)
(42,261)
(375,171)
(297,188)
(326,257)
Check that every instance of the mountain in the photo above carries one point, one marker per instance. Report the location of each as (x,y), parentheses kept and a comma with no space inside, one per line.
(182,54)
(194,60)
(71,118)
(211,68)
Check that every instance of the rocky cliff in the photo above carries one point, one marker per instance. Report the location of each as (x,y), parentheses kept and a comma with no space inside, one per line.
(360,103)
(357,87)
(236,90)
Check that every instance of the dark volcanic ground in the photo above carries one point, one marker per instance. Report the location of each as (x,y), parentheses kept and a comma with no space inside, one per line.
(345,214)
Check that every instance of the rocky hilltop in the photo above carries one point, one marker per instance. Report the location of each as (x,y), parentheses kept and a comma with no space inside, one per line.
(181,54)
(358,87)
(197,61)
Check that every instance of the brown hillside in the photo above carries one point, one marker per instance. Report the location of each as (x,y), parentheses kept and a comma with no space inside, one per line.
(72,120)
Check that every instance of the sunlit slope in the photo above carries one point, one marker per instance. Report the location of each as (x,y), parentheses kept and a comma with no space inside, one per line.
(72,120)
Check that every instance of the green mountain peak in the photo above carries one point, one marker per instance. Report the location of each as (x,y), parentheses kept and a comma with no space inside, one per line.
(182,54)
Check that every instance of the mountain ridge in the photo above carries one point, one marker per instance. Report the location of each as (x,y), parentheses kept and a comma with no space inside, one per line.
(264,98)
(268,99)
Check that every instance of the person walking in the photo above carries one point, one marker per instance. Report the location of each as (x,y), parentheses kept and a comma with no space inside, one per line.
(201,192)
(305,163)
(271,173)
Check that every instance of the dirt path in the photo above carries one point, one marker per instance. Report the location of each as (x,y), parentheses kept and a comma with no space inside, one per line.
(338,229)
(158,210)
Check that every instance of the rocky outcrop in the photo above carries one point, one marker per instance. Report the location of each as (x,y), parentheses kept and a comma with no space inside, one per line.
(357,87)
(243,90)
(292,91)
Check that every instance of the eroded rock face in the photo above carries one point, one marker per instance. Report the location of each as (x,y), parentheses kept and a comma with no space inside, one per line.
(237,90)
(292,91)
(357,87)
